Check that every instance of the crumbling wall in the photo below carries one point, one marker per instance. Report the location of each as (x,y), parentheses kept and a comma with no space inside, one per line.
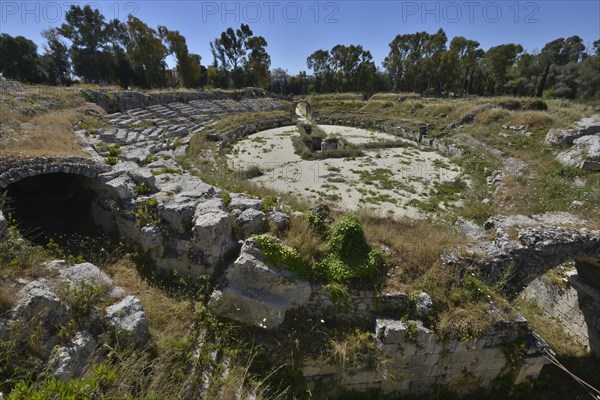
(411,360)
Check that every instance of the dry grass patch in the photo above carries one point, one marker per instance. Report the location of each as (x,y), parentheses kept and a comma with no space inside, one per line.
(491,116)
(532,119)
(51,135)
(170,318)
(550,330)
(466,307)
(400,96)
(414,246)
(357,349)
(302,237)
(38,121)
(334,96)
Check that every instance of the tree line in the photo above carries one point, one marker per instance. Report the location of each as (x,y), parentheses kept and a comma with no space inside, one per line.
(131,53)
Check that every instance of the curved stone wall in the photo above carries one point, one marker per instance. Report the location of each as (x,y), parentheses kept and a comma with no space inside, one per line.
(13,170)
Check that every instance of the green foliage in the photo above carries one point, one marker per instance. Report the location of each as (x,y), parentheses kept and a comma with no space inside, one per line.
(269,203)
(188,65)
(19,59)
(54,249)
(472,290)
(431,205)
(448,190)
(318,222)
(226,197)
(563,171)
(383,177)
(277,254)
(67,332)
(343,68)
(347,238)
(17,254)
(355,349)
(412,332)
(350,255)
(83,297)
(114,150)
(253,171)
(477,212)
(110,160)
(142,189)
(339,295)
(21,356)
(166,170)
(87,95)
(150,158)
(505,278)
(147,213)
(241,57)
(72,389)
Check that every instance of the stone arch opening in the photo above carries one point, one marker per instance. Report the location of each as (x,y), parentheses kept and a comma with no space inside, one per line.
(53,206)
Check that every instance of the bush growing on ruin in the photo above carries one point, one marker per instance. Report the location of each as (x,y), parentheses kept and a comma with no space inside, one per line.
(350,255)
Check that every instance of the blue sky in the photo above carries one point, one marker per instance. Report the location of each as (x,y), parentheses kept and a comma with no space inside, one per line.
(294,29)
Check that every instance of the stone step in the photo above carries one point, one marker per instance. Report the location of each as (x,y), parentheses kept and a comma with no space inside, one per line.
(121,136)
(127,122)
(132,137)
(180,131)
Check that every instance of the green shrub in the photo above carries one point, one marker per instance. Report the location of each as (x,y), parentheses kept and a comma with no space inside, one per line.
(431,205)
(350,255)
(412,332)
(82,298)
(89,97)
(150,158)
(537,105)
(268,203)
(226,197)
(347,239)
(147,213)
(339,296)
(277,255)
(113,150)
(564,171)
(142,189)
(73,389)
(110,160)
(253,171)
(17,254)
(54,249)
(319,221)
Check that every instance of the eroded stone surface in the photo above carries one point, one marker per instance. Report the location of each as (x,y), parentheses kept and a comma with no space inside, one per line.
(584,138)
(69,361)
(250,222)
(128,317)
(37,303)
(583,127)
(256,293)
(85,273)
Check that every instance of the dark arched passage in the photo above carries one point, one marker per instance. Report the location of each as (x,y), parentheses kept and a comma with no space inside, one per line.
(52,206)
